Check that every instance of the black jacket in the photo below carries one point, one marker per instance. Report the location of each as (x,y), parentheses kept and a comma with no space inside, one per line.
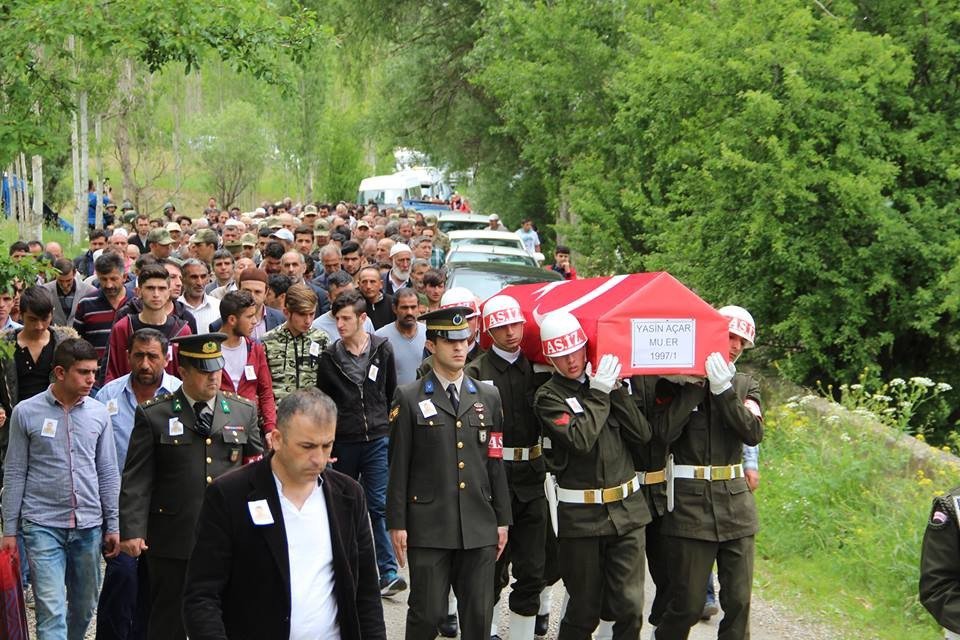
(238,579)
(361,408)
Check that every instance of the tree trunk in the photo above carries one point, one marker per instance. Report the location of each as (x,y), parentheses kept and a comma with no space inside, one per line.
(122,134)
(100,184)
(79,208)
(84,143)
(37,168)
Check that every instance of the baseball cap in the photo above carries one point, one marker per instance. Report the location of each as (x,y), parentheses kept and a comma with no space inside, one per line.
(205,236)
(248,240)
(282,234)
(173,226)
(160,236)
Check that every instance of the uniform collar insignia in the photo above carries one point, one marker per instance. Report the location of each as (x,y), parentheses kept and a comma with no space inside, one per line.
(428,386)
(470,386)
(224,405)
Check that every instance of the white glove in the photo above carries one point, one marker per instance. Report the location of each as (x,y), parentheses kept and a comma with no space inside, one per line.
(608,374)
(719,373)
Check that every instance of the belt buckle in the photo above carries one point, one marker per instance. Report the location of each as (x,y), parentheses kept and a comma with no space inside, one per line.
(722,473)
(614,494)
(702,473)
(516,455)
(535,451)
(589,497)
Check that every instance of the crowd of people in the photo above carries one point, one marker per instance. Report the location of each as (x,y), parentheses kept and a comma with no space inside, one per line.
(259,420)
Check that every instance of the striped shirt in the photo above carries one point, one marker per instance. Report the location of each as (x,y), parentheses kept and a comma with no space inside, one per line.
(95,317)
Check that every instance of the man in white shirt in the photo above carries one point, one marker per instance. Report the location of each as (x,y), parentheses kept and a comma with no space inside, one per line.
(205,309)
(286,525)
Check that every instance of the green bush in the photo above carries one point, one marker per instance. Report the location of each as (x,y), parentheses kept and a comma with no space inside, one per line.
(842,516)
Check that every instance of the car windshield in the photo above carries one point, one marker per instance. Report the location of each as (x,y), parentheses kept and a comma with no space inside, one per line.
(483,285)
(490,242)
(456,225)
(469,256)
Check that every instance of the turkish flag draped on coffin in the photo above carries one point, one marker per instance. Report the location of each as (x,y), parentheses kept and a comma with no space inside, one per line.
(651,321)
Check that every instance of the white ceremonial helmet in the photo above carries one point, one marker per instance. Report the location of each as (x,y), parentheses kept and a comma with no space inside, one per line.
(741,323)
(560,334)
(501,310)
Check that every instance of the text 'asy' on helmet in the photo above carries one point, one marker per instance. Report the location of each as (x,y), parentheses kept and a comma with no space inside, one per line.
(741,323)
(460,297)
(560,334)
(501,310)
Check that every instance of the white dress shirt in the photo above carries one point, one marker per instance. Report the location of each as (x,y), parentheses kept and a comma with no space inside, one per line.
(206,312)
(313,598)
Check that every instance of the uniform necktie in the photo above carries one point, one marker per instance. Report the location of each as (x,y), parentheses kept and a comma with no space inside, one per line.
(203,418)
(454,400)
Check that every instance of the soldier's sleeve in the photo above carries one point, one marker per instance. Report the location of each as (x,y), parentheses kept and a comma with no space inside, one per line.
(744,415)
(940,564)
(495,470)
(399,453)
(136,485)
(253,449)
(567,428)
(634,426)
(673,405)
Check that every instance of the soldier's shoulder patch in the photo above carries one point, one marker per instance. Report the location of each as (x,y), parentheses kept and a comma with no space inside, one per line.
(155,401)
(394,412)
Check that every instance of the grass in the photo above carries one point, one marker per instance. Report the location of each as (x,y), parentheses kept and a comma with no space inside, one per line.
(9,234)
(842,516)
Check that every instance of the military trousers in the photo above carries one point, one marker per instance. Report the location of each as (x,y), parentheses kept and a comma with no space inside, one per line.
(603,576)
(167,577)
(690,562)
(659,569)
(524,556)
(433,572)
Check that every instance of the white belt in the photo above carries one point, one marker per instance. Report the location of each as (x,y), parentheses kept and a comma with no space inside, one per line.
(599,496)
(693,472)
(522,454)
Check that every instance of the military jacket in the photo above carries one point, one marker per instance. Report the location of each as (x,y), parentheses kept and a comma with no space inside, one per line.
(653,455)
(592,434)
(940,562)
(706,429)
(447,485)
(294,361)
(520,425)
(169,465)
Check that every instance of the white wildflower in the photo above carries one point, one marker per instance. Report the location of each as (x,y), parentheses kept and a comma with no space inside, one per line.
(921,381)
(832,419)
(883,398)
(807,399)
(897,382)
(889,411)
(943,386)
(792,405)
(856,387)
(845,437)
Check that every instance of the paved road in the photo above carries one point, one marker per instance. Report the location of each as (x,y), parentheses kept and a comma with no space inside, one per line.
(768,621)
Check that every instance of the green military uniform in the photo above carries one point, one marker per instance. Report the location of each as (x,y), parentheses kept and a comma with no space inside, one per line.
(448,490)
(940,564)
(524,465)
(600,532)
(294,361)
(651,460)
(712,519)
(169,465)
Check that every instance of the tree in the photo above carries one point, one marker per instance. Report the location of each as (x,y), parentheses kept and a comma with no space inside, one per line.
(233,146)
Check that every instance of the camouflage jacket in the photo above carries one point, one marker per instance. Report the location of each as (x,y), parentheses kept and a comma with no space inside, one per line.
(293,361)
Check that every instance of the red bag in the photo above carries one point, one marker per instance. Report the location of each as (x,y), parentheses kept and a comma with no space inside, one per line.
(13,611)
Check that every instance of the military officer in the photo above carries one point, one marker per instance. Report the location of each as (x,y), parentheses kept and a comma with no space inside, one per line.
(940,564)
(593,424)
(711,515)
(505,367)
(459,297)
(448,505)
(180,442)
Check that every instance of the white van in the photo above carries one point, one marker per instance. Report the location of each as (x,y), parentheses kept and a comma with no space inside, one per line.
(410,184)
(384,190)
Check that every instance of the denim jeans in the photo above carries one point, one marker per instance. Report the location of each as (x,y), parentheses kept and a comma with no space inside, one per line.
(366,462)
(65,567)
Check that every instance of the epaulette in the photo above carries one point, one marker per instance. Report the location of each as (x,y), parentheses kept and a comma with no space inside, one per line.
(232,396)
(157,400)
